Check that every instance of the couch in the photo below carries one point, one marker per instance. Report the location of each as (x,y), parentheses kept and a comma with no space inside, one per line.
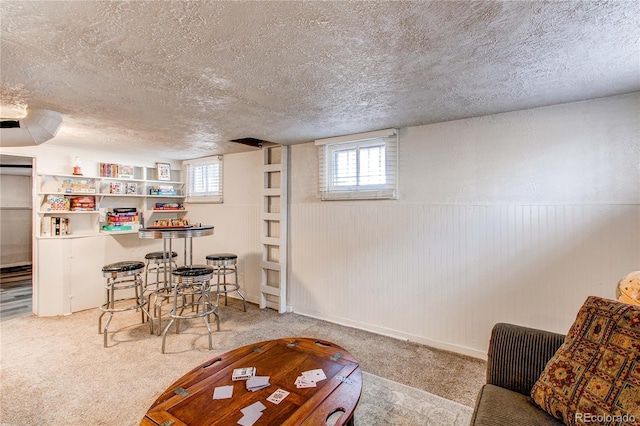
(516,358)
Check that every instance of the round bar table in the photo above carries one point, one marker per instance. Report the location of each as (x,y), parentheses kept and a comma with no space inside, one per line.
(168,234)
(171,233)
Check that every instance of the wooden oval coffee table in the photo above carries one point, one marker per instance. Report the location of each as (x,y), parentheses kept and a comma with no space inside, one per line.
(189,401)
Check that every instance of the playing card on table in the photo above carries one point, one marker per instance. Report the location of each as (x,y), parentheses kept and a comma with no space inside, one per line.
(257,382)
(278,396)
(314,375)
(302,382)
(223,392)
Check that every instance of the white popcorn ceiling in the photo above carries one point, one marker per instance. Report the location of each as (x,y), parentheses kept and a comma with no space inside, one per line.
(181,79)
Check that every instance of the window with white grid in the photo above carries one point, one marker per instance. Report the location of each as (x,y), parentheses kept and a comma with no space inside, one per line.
(204,180)
(362,166)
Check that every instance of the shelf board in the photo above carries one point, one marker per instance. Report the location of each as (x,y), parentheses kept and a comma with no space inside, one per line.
(164,182)
(121,179)
(66,237)
(65,176)
(78,194)
(69,212)
(108,194)
(119,232)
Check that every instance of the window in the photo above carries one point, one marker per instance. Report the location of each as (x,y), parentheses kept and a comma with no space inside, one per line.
(204,180)
(362,166)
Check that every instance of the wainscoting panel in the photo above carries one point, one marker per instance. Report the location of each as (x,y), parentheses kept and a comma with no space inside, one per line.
(236,230)
(444,274)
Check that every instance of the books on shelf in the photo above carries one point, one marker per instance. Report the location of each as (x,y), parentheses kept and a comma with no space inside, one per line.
(169,206)
(53,226)
(72,186)
(119,171)
(83,204)
(56,203)
(162,190)
(122,219)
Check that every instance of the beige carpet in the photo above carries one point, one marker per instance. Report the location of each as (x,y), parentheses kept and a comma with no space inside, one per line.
(385,402)
(54,370)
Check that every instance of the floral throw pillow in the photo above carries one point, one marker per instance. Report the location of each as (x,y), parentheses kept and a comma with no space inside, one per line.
(594,377)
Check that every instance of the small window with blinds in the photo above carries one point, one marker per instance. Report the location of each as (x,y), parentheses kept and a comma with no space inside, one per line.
(362,166)
(204,180)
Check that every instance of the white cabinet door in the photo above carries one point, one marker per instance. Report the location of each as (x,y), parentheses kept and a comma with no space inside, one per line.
(85,278)
(69,275)
(51,295)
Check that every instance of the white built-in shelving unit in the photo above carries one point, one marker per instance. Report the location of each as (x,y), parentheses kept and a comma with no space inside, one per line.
(133,191)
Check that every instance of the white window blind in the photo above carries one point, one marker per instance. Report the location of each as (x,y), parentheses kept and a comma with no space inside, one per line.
(362,166)
(204,180)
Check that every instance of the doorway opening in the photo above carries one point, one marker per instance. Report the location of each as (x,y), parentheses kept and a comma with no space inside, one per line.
(16,236)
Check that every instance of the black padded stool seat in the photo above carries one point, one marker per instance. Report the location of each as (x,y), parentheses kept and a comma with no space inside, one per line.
(222,259)
(159,255)
(193,271)
(225,264)
(123,276)
(122,268)
(193,281)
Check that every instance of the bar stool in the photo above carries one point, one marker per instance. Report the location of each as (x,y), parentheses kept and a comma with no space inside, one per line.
(160,263)
(195,281)
(122,276)
(225,264)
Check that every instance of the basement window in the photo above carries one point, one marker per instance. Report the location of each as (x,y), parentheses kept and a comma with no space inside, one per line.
(204,180)
(360,166)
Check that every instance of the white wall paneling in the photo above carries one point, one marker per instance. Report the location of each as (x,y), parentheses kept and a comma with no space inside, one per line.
(444,274)
(513,217)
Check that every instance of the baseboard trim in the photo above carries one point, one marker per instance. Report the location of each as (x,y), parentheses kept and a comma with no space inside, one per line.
(395,334)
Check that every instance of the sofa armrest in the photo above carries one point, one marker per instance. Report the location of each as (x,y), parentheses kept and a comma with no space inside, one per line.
(517,355)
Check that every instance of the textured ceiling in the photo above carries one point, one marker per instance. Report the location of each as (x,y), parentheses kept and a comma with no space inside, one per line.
(184,78)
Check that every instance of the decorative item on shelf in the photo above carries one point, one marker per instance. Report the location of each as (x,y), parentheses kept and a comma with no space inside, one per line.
(56,203)
(131,188)
(125,172)
(77,167)
(115,188)
(163,171)
(628,288)
(162,190)
(83,204)
(169,206)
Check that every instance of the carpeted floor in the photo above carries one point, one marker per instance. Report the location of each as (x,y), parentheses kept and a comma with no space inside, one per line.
(54,370)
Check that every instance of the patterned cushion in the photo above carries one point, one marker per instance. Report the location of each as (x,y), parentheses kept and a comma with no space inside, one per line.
(594,377)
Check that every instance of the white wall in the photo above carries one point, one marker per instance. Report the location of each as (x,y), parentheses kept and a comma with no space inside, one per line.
(236,221)
(514,217)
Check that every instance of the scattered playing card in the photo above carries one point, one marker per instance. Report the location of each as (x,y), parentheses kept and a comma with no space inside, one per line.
(301,382)
(314,375)
(309,378)
(223,392)
(255,383)
(256,406)
(252,413)
(278,396)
